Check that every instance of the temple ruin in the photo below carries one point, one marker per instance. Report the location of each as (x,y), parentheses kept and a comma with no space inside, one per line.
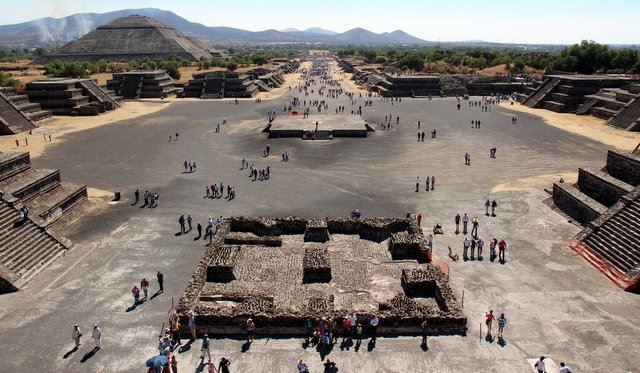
(18,114)
(143,84)
(282,271)
(318,127)
(71,96)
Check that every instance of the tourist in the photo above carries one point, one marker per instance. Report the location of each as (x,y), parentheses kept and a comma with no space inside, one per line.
(426,184)
(181,222)
(501,323)
(160,278)
(419,219)
(358,333)
(417,183)
(474,227)
(480,244)
(373,326)
(192,325)
(189,220)
(199,228)
(489,321)
(223,365)
(423,330)
(465,222)
(492,248)
(473,248)
(136,195)
(144,285)
(330,366)
(502,247)
(174,364)
(175,328)
(77,334)
(250,327)
(433,182)
(465,248)
(136,294)
(96,334)
(539,365)
(302,367)
(457,221)
(205,349)
(486,207)
(564,368)
(494,204)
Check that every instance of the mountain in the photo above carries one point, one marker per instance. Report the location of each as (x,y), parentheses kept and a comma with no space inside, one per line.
(52,31)
(291,29)
(318,30)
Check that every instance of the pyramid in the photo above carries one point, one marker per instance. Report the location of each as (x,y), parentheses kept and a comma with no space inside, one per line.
(130,38)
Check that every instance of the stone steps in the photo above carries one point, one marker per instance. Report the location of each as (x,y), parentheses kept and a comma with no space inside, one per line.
(49,207)
(29,184)
(541,92)
(24,249)
(12,120)
(627,115)
(618,238)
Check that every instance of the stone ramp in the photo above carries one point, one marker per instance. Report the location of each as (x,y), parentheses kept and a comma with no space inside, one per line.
(25,249)
(12,120)
(539,95)
(98,94)
(627,117)
(262,87)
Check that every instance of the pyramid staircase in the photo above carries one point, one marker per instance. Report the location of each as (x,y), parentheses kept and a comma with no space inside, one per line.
(27,246)
(541,92)
(620,107)
(607,202)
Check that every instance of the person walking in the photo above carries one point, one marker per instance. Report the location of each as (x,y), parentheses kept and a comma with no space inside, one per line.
(136,195)
(77,334)
(540,366)
(302,366)
(205,349)
(433,182)
(189,221)
(417,184)
(144,285)
(223,366)
(474,227)
(181,222)
(160,278)
(564,368)
(494,204)
(136,294)
(199,228)
(465,223)
(423,330)
(419,219)
(486,207)
(502,321)
(465,248)
(489,321)
(457,221)
(96,334)
(250,327)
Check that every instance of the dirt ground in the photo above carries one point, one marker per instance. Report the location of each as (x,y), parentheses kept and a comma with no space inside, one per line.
(584,125)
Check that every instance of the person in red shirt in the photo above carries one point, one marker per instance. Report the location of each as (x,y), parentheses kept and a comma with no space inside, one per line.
(502,247)
(419,219)
(489,321)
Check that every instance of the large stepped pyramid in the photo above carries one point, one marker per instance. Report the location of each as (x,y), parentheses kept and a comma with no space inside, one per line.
(71,96)
(17,113)
(607,203)
(220,84)
(26,247)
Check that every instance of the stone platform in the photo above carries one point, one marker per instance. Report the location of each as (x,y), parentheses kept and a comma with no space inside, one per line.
(329,126)
(355,270)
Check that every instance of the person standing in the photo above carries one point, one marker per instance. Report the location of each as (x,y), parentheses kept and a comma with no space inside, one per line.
(419,219)
(96,334)
(540,366)
(417,184)
(564,368)
(199,228)
(486,207)
(77,334)
(192,325)
(474,227)
(136,294)
(358,333)
(480,244)
(144,285)
(373,327)
(136,194)
(423,330)
(181,222)
(501,323)
(494,204)
(189,221)
(502,247)
(457,220)
(223,366)
(433,182)
(465,223)
(465,248)
(205,349)
(160,278)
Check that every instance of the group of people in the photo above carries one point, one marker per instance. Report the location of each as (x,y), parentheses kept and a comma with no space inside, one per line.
(469,246)
(189,166)
(151,199)
(429,183)
(217,191)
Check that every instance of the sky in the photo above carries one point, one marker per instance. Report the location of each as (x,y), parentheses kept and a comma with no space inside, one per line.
(514,21)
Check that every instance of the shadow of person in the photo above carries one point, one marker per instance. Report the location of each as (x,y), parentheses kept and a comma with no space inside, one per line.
(89,355)
(489,338)
(132,307)
(245,347)
(371,345)
(502,342)
(185,347)
(346,344)
(424,346)
(155,294)
(201,366)
(70,352)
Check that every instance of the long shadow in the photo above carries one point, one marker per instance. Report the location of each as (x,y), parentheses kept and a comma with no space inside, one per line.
(324,350)
(185,347)
(155,294)
(245,347)
(70,352)
(371,345)
(134,306)
(89,354)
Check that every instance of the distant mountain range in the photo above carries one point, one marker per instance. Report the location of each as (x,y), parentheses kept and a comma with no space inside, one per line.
(51,31)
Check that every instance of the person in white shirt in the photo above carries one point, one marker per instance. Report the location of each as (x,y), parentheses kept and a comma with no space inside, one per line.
(540,365)
(373,324)
(96,334)
(564,368)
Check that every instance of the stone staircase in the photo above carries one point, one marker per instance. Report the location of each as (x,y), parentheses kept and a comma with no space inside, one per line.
(620,107)
(99,94)
(541,92)
(25,249)
(131,86)
(607,202)
(32,110)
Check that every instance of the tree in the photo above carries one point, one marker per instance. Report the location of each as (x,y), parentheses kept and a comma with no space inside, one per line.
(412,62)
(259,59)
(231,66)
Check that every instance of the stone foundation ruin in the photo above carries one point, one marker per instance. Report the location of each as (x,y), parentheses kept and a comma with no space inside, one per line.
(282,271)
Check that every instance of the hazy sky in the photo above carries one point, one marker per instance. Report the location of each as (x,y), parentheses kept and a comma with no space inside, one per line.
(531,21)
